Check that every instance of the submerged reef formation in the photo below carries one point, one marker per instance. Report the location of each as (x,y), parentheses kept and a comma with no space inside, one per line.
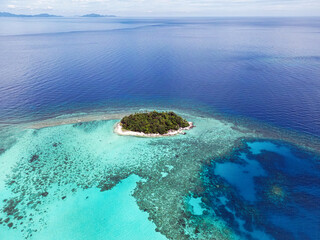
(153,122)
(265,190)
(48,165)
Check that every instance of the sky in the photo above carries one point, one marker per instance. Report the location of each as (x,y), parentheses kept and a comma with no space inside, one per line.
(170,8)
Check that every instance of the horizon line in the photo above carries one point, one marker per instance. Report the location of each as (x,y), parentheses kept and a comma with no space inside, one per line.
(53,15)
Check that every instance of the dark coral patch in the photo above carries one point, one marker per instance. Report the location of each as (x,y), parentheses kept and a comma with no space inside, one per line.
(10,207)
(56,144)
(88,126)
(2,150)
(44,194)
(35,157)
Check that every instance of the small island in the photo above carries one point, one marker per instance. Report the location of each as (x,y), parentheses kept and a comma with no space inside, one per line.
(152,124)
(94,15)
(42,15)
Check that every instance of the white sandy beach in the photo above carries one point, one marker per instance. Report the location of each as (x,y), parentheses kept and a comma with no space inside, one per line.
(120,131)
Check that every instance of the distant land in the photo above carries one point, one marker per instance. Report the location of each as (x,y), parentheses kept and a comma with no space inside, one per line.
(44,15)
(97,15)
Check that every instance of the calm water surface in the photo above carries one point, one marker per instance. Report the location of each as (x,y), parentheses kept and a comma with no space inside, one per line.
(262,68)
(271,191)
(265,69)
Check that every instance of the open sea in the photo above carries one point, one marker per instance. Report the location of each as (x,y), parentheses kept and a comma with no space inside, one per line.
(228,178)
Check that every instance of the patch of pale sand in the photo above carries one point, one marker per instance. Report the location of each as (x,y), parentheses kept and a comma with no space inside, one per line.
(73,119)
(88,154)
(91,214)
(9,159)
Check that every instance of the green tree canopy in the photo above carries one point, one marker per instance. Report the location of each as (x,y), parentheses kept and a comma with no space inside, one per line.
(153,122)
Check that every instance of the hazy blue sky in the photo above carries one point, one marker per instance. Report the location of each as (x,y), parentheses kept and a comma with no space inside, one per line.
(167,7)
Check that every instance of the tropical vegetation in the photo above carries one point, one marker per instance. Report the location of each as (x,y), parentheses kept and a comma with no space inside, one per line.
(153,122)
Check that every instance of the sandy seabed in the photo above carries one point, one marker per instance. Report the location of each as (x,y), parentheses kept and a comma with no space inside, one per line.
(48,168)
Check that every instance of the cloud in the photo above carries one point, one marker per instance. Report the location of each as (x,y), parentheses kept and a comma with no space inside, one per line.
(168,7)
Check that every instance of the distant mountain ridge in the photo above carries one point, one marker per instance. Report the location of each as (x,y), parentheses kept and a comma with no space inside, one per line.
(7,14)
(97,15)
(46,15)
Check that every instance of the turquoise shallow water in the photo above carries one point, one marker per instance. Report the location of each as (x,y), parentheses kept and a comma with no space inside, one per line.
(260,69)
(91,214)
(48,173)
(75,181)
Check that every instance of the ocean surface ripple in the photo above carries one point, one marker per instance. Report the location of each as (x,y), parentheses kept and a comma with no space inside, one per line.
(266,69)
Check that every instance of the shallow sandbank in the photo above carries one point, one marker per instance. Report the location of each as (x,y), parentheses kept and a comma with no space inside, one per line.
(75,119)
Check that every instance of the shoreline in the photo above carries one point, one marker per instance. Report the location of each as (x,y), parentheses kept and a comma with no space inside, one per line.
(263,130)
(122,132)
(79,118)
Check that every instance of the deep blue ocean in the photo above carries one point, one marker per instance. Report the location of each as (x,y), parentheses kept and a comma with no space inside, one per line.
(267,69)
(259,70)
